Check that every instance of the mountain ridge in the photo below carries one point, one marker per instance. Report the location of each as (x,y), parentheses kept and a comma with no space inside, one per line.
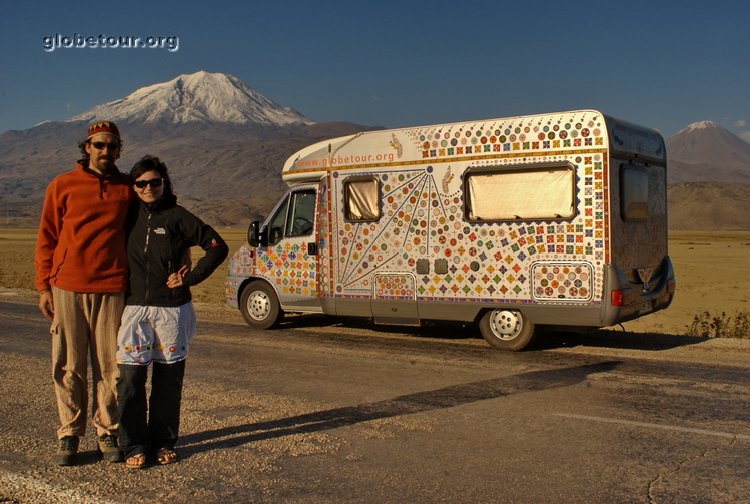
(225,161)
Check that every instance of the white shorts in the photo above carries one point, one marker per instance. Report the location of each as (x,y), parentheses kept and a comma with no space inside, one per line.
(155,333)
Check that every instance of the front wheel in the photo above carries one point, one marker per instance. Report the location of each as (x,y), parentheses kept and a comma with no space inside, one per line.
(259,305)
(507,329)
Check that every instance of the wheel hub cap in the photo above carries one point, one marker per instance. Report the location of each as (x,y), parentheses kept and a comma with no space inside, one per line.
(258,305)
(506,324)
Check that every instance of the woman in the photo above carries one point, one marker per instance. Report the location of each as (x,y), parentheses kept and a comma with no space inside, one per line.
(158,322)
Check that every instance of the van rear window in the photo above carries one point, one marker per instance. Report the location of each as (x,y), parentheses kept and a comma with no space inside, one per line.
(634,192)
(535,192)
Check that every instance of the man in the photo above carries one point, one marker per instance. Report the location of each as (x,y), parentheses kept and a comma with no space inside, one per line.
(81,274)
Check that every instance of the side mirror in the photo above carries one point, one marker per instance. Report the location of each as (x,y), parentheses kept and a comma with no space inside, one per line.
(253,234)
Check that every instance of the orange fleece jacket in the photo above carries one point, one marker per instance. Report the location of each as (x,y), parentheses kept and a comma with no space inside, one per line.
(80,246)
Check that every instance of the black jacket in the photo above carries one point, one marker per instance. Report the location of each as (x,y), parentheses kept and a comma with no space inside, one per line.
(159,238)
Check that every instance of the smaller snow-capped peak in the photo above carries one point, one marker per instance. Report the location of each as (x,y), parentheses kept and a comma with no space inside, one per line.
(709,143)
(700,125)
(197,97)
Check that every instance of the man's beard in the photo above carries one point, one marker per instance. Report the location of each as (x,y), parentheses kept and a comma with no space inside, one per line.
(103,164)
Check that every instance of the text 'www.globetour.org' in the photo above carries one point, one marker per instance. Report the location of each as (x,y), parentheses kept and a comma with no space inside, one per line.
(77,41)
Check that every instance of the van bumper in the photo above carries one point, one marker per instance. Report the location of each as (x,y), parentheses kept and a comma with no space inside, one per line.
(627,298)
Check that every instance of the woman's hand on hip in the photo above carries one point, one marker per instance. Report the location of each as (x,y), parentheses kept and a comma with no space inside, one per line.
(174,280)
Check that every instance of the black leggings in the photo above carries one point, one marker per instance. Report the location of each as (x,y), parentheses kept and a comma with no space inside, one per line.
(143,431)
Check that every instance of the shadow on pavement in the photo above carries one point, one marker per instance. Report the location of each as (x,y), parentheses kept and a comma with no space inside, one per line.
(610,338)
(418,402)
(547,339)
(446,331)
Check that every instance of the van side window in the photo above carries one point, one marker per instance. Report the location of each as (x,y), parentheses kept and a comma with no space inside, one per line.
(295,216)
(634,192)
(535,192)
(301,213)
(362,199)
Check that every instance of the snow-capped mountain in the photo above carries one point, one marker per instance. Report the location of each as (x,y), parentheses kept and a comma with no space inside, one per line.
(224,143)
(708,142)
(197,97)
(705,151)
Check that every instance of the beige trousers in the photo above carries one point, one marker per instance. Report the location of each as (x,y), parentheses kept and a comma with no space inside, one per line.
(85,324)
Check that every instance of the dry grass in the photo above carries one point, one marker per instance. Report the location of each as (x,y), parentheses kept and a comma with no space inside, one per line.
(707,325)
(17,262)
(212,290)
(17,258)
(713,282)
(712,277)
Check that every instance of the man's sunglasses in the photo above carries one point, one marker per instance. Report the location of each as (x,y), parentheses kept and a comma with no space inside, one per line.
(101,145)
(141,184)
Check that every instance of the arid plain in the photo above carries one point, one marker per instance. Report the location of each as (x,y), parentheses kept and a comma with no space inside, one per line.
(710,267)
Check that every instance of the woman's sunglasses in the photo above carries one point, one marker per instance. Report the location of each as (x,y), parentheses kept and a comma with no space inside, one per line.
(141,184)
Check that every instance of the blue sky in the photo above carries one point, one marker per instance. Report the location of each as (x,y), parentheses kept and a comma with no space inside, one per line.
(664,64)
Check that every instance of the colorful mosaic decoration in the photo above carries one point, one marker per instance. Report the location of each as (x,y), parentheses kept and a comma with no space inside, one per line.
(394,286)
(423,220)
(554,281)
(422,247)
(487,261)
(529,134)
(289,268)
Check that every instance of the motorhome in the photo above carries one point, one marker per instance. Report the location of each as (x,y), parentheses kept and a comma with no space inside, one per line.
(517,224)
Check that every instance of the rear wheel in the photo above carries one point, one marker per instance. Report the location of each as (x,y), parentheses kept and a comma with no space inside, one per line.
(507,329)
(259,305)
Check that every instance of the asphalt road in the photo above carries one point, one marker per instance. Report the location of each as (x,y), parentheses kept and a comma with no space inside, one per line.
(325,410)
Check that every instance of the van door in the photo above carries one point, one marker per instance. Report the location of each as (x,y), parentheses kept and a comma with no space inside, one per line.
(289,260)
(640,276)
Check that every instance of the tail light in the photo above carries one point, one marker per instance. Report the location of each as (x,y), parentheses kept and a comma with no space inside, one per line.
(621,297)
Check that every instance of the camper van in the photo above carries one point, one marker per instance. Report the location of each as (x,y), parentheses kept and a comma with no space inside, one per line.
(517,224)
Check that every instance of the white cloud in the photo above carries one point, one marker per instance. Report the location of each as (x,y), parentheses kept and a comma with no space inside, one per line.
(740,123)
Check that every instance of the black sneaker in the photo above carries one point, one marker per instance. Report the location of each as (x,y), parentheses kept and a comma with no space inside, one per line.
(66,453)
(109,449)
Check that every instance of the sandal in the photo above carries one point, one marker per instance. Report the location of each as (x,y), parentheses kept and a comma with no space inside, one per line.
(137,461)
(166,456)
